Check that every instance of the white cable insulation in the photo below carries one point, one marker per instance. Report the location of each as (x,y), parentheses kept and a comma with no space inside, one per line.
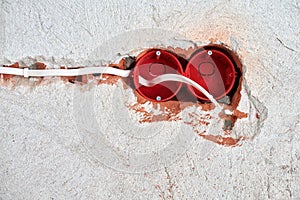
(12,71)
(178,78)
(64,72)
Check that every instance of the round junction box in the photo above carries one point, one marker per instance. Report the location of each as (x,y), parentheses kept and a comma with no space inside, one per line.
(213,70)
(151,64)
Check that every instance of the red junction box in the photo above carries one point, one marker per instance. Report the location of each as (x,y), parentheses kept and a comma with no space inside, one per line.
(153,63)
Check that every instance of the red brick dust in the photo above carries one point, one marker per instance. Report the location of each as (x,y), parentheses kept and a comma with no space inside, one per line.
(224,141)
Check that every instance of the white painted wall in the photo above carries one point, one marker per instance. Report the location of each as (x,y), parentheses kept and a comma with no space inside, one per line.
(42,156)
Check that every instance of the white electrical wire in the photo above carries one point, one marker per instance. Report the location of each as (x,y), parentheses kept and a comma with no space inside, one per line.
(64,72)
(113,71)
(12,71)
(178,78)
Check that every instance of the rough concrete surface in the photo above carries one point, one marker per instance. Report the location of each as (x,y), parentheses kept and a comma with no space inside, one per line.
(44,156)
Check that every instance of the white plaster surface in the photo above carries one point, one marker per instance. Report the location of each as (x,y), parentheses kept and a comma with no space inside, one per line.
(43,157)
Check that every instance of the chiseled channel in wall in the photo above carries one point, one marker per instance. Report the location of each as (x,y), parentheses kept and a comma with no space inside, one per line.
(211,74)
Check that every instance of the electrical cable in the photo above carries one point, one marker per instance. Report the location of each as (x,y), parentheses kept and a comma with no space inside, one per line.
(26,72)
